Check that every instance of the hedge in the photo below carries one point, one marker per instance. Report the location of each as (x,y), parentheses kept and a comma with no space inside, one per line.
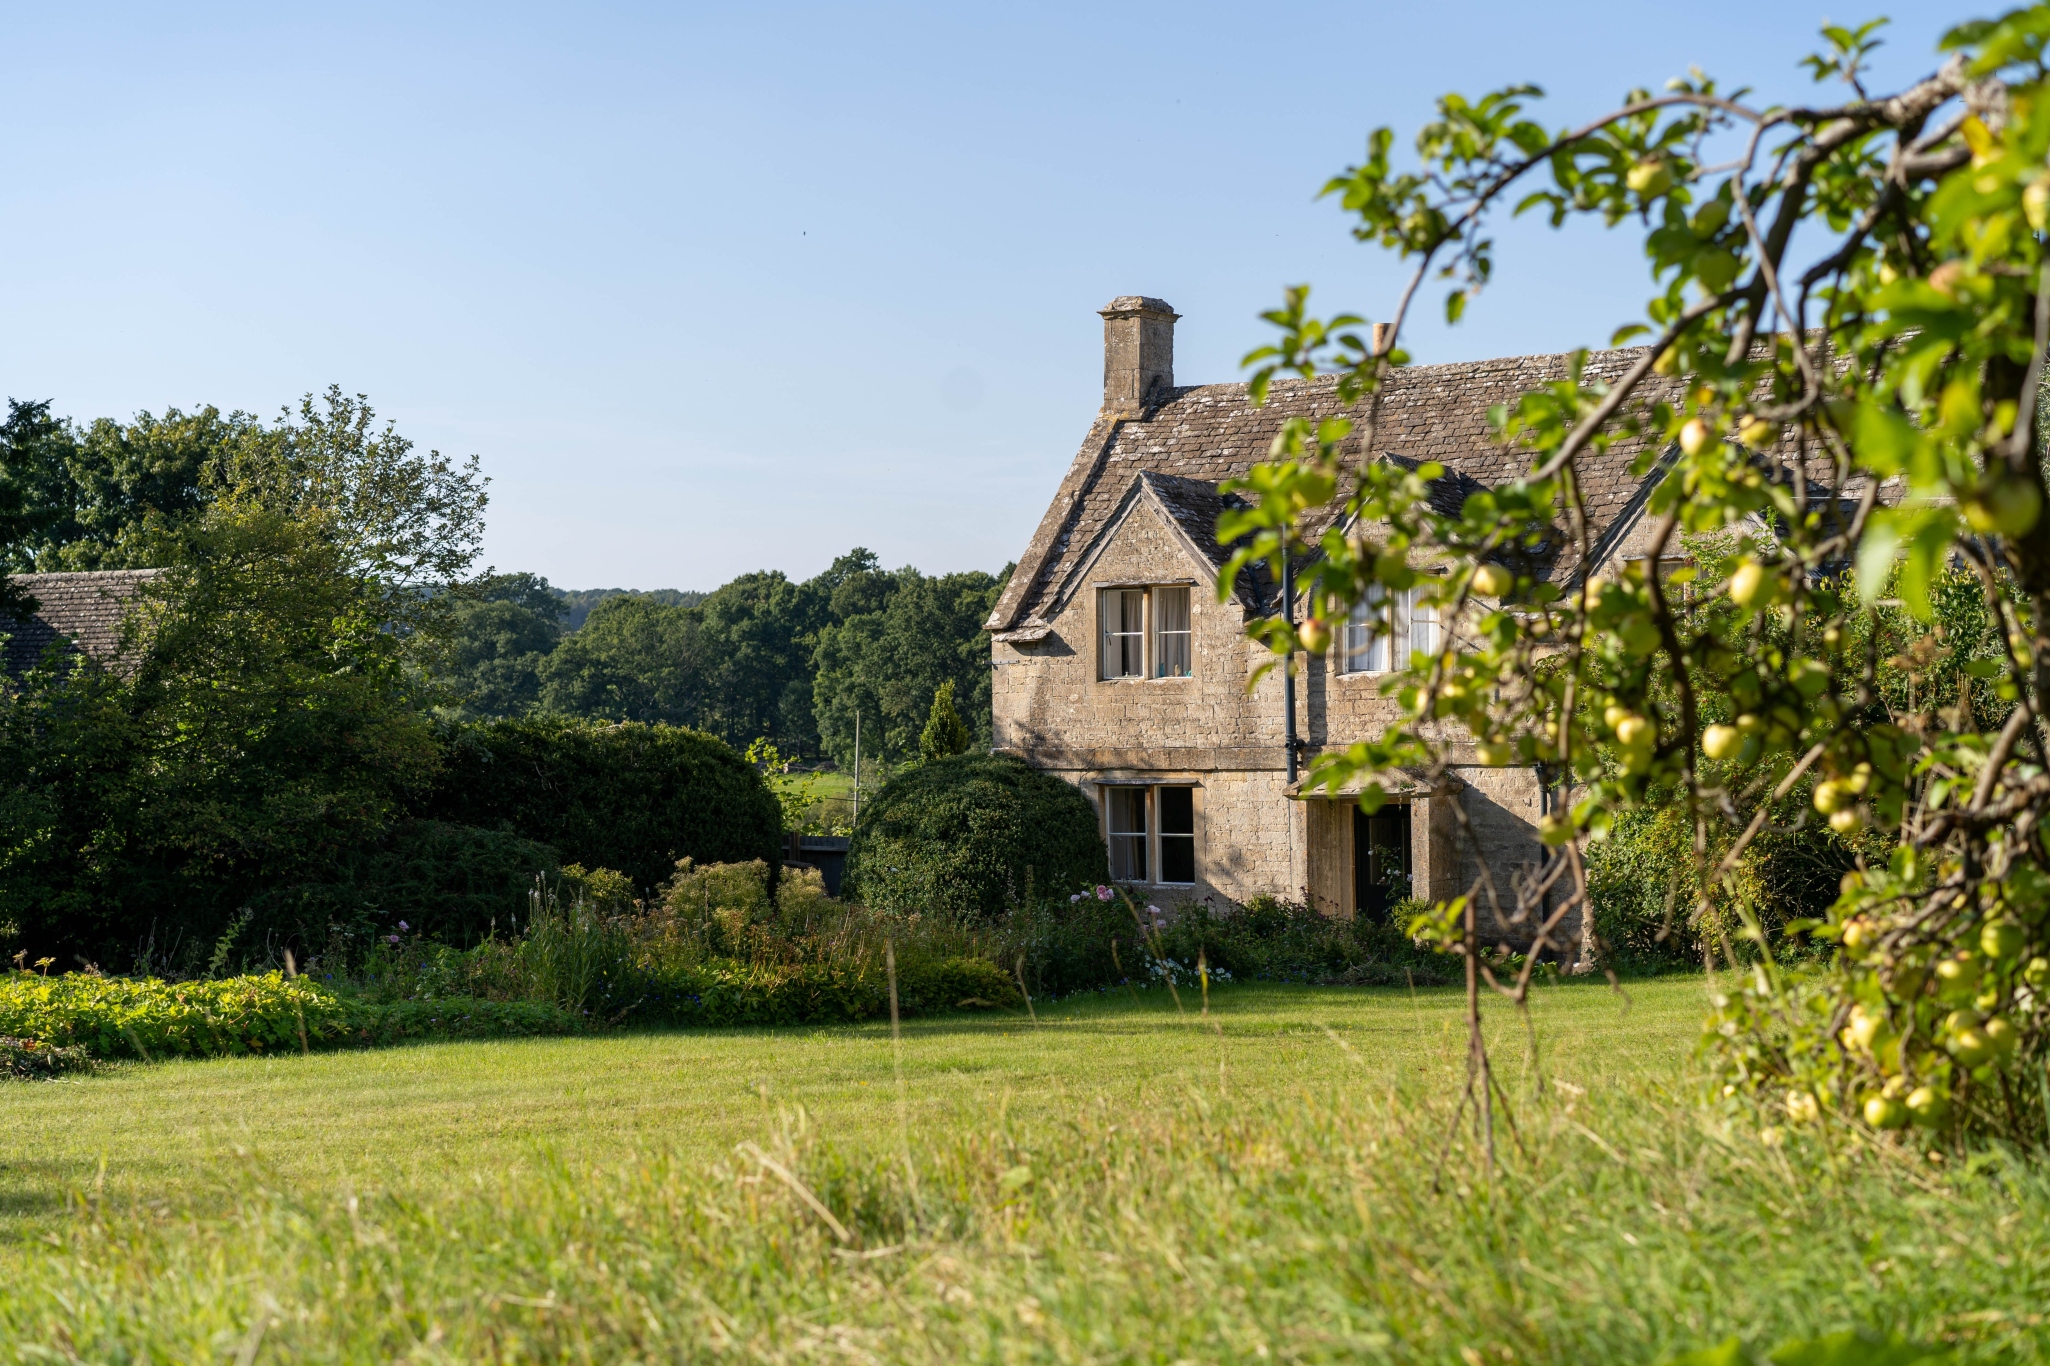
(973,833)
(633,797)
(123,1017)
(453,883)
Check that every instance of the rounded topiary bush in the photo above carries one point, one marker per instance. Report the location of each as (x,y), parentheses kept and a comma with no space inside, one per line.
(970,834)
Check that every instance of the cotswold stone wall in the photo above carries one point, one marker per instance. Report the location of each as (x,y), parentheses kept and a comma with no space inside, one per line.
(1052,708)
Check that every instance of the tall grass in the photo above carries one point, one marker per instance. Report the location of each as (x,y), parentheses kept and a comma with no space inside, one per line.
(1623,1226)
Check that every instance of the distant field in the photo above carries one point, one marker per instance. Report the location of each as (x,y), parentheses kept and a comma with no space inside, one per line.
(1117,1182)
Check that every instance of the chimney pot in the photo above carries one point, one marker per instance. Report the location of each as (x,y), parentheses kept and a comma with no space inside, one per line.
(1138,354)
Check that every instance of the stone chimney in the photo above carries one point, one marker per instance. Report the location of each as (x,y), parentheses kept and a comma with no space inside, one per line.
(1138,354)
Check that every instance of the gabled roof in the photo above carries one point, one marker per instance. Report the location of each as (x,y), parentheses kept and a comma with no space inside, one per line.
(82,611)
(1203,434)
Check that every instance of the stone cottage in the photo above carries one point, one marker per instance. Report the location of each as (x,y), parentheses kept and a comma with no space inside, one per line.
(1117,668)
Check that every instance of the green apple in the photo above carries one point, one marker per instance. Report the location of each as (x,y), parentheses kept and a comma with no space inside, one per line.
(1866,1028)
(1885,1112)
(1493,581)
(2001,939)
(1958,975)
(1928,1106)
(1970,1047)
(1694,436)
(1649,176)
(1748,585)
(1848,821)
(1721,742)
(1496,753)
(1829,795)
(2037,973)
(2001,1037)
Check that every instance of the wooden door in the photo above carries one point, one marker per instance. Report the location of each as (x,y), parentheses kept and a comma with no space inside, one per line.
(1329,822)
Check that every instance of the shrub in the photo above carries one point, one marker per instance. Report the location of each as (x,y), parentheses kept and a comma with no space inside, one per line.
(120,1017)
(1642,880)
(972,834)
(631,797)
(452,883)
(33,1060)
(1089,943)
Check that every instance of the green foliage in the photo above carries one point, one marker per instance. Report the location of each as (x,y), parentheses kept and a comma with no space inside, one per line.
(577,603)
(972,834)
(1089,941)
(456,884)
(33,1060)
(895,639)
(262,720)
(630,797)
(120,1017)
(1641,879)
(97,498)
(634,659)
(944,735)
(500,635)
(1836,414)
(796,793)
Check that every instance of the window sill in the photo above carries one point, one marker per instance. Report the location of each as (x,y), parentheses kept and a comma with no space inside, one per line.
(1135,678)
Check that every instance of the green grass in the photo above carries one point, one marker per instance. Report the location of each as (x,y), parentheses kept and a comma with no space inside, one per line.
(1118,1182)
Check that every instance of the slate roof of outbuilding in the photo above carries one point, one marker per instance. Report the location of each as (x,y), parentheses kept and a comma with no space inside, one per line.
(82,610)
(1207,433)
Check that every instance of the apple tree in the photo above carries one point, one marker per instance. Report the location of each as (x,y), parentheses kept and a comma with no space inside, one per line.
(1837,389)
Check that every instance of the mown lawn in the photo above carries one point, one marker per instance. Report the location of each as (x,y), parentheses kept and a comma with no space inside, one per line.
(1118,1182)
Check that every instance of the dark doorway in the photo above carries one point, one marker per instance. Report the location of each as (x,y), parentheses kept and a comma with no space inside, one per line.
(1380,862)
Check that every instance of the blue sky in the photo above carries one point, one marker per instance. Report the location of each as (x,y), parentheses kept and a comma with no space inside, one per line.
(713,289)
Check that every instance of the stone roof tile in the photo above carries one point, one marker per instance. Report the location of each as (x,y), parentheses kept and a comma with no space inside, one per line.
(82,611)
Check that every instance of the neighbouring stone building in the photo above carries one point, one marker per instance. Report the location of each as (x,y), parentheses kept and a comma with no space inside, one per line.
(79,612)
(1117,667)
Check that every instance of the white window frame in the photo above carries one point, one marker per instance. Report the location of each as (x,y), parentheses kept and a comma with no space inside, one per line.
(1117,638)
(1147,846)
(1385,629)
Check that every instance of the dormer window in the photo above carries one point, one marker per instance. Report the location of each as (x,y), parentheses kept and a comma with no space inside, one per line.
(1387,627)
(1145,632)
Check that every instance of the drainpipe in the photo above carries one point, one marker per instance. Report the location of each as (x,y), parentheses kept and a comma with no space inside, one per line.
(1288,669)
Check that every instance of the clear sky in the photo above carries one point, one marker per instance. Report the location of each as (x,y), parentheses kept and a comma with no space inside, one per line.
(713,289)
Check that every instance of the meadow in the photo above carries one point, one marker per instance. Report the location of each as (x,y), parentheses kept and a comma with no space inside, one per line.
(1118,1180)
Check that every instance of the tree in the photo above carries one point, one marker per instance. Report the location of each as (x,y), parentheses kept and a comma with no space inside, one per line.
(944,733)
(1848,294)
(263,718)
(499,639)
(634,659)
(910,634)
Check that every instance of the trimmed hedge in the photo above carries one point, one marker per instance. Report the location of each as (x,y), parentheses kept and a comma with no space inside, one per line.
(452,883)
(632,797)
(122,1017)
(971,834)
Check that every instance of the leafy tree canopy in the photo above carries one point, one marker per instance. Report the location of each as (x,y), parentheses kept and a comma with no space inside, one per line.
(1846,348)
